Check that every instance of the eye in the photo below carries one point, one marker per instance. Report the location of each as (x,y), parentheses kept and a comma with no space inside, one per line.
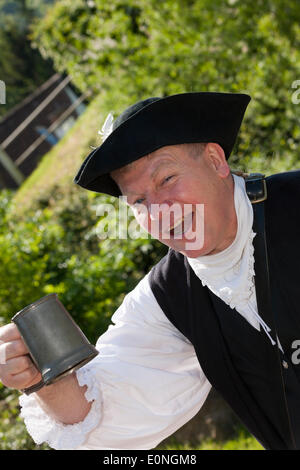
(139,201)
(165,180)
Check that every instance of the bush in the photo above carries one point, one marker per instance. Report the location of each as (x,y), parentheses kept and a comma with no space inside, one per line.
(13,433)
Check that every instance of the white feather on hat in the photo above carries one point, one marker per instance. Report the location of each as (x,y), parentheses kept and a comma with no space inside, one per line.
(107,127)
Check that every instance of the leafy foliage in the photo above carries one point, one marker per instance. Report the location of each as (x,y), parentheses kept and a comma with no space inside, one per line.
(13,434)
(145,48)
(242,441)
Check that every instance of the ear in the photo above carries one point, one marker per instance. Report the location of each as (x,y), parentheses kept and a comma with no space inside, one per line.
(216,159)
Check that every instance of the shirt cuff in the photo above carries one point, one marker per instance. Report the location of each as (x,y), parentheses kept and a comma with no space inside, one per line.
(59,436)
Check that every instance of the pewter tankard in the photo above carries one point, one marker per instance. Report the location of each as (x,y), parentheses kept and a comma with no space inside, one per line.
(56,344)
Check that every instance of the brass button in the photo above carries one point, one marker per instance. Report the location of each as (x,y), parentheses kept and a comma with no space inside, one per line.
(285,364)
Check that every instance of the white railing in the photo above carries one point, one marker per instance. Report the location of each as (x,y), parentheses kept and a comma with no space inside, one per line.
(10,165)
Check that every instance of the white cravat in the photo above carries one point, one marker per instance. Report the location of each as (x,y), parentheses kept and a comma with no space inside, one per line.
(230,273)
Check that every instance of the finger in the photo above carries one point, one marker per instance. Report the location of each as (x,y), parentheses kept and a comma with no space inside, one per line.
(18,364)
(14,349)
(25,379)
(9,332)
(3,352)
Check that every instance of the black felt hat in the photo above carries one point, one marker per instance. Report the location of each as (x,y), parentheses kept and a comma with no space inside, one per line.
(156,122)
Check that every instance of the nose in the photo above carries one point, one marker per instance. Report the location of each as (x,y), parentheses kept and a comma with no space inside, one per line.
(155,214)
(157,209)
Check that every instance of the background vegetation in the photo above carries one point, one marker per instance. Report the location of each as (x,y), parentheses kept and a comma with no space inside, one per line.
(22,67)
(124,51)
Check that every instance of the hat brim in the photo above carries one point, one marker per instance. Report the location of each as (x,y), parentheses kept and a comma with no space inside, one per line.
(177,119)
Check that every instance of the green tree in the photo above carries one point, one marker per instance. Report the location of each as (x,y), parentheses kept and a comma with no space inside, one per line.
(144,47)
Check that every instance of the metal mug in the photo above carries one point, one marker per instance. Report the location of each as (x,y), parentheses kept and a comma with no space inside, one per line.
(56,344)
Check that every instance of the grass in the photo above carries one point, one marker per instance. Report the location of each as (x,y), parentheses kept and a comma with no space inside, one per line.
(58,167)
(243,441)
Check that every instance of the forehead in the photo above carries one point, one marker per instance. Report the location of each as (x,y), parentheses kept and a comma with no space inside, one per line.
(164,154)
(131,177)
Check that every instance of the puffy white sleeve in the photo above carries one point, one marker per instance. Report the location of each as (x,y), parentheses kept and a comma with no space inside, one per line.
(145,384)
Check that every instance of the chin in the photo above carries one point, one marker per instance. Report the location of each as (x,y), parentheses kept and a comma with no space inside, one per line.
(191,252)
(194,253)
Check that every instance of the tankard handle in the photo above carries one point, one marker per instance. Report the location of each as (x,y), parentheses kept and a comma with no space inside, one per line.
(33,388)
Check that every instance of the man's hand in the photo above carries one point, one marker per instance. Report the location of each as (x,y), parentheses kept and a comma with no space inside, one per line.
(64,400)
(16,368)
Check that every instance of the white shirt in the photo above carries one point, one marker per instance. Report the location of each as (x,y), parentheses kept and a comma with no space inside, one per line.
(147,382)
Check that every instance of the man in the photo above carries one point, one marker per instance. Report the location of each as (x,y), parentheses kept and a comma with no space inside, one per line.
(193,321)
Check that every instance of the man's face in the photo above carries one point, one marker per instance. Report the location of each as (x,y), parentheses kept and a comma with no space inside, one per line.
(186,201)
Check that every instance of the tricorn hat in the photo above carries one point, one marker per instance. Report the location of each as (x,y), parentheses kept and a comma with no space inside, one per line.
(157,122)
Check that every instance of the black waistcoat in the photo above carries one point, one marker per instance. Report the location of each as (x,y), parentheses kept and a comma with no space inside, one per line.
(238,360)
